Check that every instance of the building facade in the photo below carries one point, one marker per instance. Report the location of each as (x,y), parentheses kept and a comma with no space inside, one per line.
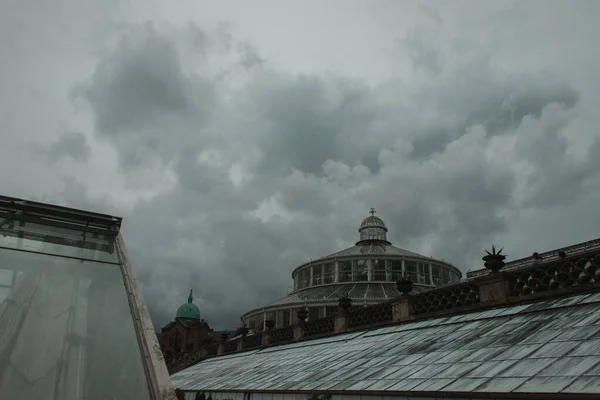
(365,272)
(526,333)
(186,334)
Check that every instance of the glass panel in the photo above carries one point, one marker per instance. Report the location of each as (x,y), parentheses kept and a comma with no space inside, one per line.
(360,272)
(317,272)
(445,275)
(74,334)
(56,240)
(395,270)
(303,278)
(411,271)
(378,270)
(437,274)
(329,273)
(251,321)
(424,273)
(345,271)
(283,318)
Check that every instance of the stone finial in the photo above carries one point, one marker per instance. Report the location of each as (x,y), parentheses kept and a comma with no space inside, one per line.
(494,261)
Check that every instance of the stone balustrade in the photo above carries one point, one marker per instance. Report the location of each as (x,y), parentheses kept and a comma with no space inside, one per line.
(551,279)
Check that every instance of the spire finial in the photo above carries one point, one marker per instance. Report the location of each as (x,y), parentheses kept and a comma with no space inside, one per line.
(372,212)
(190,297)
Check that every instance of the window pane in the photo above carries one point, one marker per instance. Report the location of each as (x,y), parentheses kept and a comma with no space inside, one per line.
(411,270)
(303,278)
(378,270)
(317,270)
(329,273)
(395,270)
(423,273)
(84,310)
(283,318)
(445,275)
(437,274)
(345,271)
(360,272)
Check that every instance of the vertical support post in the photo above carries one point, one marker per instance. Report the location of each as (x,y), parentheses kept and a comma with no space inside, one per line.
(336,278)
(430,274)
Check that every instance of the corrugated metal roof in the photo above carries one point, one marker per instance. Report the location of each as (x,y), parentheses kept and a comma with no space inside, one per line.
(551,346)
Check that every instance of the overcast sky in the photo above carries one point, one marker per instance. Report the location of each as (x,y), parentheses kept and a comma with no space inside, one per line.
(239,139)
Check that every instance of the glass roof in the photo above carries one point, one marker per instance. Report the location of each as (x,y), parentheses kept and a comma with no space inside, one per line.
(526,348)
(356,291)
(67,295)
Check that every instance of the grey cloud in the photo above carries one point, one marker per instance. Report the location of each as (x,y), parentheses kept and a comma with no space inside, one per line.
(70,144)
(440,162)
(424,55)
(143,100)
(311,120)
(479,97)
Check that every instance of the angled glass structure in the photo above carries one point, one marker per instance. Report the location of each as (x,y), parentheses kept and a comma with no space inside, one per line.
(73,324)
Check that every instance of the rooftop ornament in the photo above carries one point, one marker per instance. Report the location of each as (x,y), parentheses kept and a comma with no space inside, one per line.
(404,285)
(494,261)
(344,302)
(302,314)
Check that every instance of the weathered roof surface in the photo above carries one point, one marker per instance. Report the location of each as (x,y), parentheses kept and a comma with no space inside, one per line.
(551,346)
(356,291)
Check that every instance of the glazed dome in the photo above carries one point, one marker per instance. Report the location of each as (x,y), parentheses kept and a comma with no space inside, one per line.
(372,230)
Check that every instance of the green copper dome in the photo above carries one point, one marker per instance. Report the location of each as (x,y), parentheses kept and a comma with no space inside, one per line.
(188,310)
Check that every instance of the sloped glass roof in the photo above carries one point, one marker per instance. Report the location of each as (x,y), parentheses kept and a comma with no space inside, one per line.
(373,249)
(550,347)
(73,325)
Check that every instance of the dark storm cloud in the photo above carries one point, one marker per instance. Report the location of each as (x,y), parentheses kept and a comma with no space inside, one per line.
(311,119)
(142,98)
(479,95)
(440,162)
(70,144)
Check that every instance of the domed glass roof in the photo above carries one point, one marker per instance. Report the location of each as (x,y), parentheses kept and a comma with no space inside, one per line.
(188,310)
(372,229)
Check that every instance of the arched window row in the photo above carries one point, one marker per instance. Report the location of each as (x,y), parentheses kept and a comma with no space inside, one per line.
(365,270)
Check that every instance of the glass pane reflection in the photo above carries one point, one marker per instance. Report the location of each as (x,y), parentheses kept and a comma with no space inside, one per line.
(66,331)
